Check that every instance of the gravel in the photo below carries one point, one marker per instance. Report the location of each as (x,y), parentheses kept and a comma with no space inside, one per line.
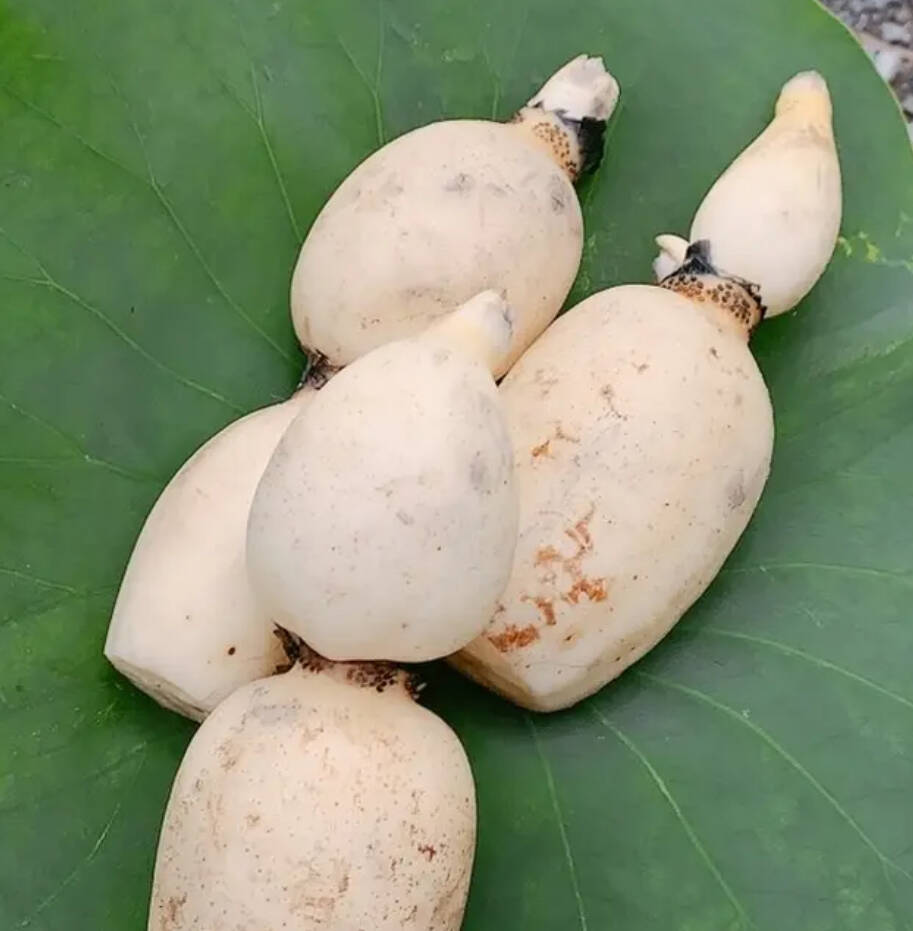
(885,28)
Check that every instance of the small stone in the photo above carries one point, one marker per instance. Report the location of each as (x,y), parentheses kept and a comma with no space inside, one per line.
(894,32)
(888,62)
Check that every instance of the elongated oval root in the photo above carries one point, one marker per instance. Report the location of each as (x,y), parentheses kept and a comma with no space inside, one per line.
(321,798)
(773,216)
(385,522)
(642,434)
(449,210)
(186,626)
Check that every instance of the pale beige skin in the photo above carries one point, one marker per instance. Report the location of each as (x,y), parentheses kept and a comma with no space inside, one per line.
(311,802)
(641,426)
(444,212)
(385,523)
(186,626)
(773,216)
(642,434)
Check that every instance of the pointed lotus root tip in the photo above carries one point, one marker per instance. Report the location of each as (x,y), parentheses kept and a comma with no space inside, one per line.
(807,90)
(581,90)
(576,102)
(672,250)
(481,328)
(698,279)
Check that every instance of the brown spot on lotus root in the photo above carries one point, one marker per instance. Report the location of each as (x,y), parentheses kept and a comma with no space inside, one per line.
(581,532)
(546,608)
(546,555)
(608,392)
(428,851)
(557,195)
(378,675)
(550,559)
(561,435)
(739,299)
(545,381)
(173,909)
(513,637)
(736,495)
(594,589)
(541,450)
(557,140)
(229,755)
(460,183)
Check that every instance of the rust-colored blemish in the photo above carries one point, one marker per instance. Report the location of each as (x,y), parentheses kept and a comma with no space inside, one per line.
(546,608)
(545,447)
(582,586)
(428,850)
(513,637)
(580,534)
(545,556)
(594,589)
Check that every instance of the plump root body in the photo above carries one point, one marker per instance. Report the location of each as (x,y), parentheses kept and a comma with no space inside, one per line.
(321,798)
(186,627)
(385,522)
(642,434)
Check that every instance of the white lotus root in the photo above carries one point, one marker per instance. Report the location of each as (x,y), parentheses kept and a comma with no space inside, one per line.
(321,798)
(773,216)
(643,431)
(385,522)
(186,626)
(452,209)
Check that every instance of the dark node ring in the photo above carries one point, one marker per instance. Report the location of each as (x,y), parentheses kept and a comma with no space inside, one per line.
(697,262)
